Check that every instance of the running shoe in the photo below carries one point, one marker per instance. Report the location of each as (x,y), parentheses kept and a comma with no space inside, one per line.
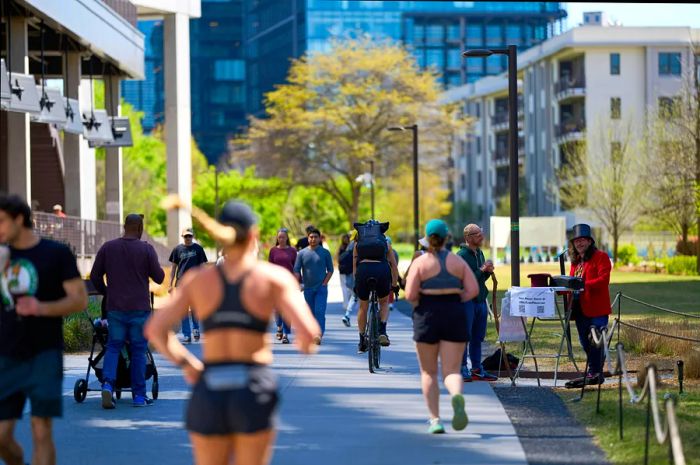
(285,339)
(195,334)
(187,340)
(435,426)
(142,401)
(480,374)
(108,397)
(466,374)
(459,419)
(384,340)
(279,334)
(346,321)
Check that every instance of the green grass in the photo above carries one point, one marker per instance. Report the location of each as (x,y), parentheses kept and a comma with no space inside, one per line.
(77,328)
(630,451)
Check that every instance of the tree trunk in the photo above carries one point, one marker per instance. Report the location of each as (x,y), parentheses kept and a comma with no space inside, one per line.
(355,209)
(616,238)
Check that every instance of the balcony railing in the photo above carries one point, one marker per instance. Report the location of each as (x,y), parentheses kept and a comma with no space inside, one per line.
(85,237)
(570,127)
(566,84)
(123,8)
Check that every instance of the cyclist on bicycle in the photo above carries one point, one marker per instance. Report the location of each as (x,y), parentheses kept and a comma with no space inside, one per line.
(373,258)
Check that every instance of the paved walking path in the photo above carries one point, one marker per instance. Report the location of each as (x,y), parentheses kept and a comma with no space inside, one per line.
(333,411)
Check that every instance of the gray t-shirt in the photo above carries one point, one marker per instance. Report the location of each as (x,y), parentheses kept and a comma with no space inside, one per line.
(313,264)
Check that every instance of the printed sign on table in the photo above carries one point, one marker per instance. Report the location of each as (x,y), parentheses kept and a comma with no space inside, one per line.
(532,302)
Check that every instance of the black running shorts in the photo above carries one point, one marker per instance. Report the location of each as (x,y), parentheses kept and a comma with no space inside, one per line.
(440,318)
(377,270)
(232,398)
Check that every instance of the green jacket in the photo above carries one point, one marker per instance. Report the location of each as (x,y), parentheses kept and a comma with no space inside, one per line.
(475,260)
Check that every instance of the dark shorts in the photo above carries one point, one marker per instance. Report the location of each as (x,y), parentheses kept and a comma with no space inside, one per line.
(377,270)
(38,378)
(232,398)
(440,318)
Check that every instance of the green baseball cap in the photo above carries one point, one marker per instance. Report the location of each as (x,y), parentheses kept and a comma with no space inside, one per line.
(437,227)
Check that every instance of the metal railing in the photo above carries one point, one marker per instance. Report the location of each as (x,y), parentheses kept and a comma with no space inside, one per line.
(568,84)
(85,237)
(570,127)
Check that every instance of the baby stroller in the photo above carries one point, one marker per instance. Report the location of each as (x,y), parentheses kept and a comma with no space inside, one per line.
(123,383)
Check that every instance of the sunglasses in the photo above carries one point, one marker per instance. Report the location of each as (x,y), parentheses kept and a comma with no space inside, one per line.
(187,235)
(284,230)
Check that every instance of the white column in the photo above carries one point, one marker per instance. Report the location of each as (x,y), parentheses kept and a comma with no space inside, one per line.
(113,159)
(178,133)
(88,166)
(19,178)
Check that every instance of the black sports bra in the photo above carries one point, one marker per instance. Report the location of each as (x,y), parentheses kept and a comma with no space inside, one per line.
(231,313)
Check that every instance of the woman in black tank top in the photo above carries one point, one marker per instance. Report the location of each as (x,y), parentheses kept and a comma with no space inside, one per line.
(234,399)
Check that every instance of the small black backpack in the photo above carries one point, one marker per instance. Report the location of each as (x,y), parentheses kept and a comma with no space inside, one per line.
(345,260)
(371,241)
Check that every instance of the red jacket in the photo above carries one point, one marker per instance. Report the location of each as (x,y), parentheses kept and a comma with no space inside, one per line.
(595,298)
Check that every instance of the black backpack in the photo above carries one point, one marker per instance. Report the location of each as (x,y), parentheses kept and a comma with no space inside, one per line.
(371,241)
(490,363)
(345,260)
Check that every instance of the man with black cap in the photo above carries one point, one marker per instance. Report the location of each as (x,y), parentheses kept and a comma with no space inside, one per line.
(184,257)
(128,262)
(592,306)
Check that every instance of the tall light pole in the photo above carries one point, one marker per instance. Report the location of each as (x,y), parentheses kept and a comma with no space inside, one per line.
(511,53)
(416,219)
(371,185)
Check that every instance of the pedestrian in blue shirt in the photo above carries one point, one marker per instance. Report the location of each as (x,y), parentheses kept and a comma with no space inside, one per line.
(314,267)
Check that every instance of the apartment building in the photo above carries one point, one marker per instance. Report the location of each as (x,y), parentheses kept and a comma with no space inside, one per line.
(588,78)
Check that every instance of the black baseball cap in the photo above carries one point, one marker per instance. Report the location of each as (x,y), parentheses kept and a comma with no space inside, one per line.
(239,214)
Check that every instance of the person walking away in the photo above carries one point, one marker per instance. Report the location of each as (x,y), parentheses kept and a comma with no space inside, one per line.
(345,270)
(345,267)
(477,310)
(284,255)
(592,306)
(40,285)
(438,285)
(184,257)
(231,413)
(128,263)
(395,290)
(314,267)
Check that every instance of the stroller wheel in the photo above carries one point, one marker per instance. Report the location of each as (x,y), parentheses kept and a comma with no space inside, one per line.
(80,390)
(154,390)
(118,393)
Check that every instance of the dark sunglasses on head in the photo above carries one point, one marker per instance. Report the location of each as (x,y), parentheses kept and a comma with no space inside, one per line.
(284,230)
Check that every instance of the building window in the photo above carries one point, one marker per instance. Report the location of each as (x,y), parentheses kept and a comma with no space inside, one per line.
(615,107)
(229,70)
(614,64)
(616,150)
(669,107)
(462,182)
(478,110)
(454,58)
(669,64)
(478,179)
(478,145)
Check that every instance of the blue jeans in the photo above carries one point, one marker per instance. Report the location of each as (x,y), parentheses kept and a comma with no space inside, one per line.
(286,329)
(318,299)
(595,355)
(186,331)
(125,326)
(477,317)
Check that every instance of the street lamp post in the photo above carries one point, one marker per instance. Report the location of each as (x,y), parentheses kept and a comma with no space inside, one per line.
(511,53)
(416,219)
(371,185)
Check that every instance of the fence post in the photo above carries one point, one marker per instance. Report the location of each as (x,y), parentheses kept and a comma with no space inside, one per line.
(646,437)
(619,314)
(618,348)
(680,375)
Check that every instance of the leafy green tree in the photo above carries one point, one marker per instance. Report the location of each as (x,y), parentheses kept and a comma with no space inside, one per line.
(331,118)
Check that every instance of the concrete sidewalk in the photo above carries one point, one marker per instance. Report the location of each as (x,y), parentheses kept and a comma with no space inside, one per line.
(333,411)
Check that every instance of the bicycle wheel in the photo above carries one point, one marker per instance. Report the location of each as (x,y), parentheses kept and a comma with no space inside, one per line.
(369,334)
(377,355)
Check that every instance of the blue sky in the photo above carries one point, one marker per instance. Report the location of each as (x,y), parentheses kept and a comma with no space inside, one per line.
(639,14)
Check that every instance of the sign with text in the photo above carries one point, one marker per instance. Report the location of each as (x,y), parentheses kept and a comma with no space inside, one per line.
(532,302)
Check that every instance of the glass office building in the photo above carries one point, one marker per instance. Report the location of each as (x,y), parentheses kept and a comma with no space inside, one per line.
(241,49)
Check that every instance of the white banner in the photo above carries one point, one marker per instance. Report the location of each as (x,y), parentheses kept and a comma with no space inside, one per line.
(532,302)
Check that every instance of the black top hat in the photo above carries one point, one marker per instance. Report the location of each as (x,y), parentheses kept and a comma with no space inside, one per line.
(582,230)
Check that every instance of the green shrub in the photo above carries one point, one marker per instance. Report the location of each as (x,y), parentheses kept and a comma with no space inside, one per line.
(77,328)
(627,255)
(681,265)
